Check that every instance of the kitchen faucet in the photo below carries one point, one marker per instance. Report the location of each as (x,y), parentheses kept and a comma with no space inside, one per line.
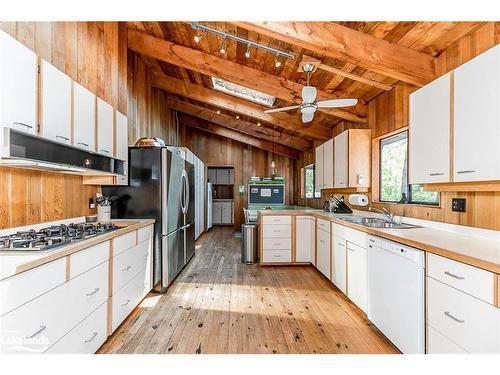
(384,211)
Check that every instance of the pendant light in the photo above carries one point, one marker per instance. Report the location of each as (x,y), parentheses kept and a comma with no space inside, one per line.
(273,163)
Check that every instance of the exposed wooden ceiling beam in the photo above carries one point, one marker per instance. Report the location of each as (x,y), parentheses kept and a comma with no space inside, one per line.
(197,61)
(340,42)
(233,104)
(239,125)
(237,136)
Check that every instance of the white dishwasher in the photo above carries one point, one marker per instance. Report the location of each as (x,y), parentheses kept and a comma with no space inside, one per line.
(396,305)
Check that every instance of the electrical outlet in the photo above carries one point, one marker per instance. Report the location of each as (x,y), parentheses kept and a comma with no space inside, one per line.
(458,204)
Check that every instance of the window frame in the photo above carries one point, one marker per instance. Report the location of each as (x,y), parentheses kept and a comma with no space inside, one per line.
(303,182)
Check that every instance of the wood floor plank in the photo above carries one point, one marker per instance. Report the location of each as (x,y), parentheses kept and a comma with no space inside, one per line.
(220,305)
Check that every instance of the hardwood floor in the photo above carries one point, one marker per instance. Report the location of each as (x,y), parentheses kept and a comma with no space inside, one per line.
(219,305)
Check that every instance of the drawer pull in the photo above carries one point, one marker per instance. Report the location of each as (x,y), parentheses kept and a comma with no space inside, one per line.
(94,335)
(92,293)
(447,313)
(454,276)
(83,144)
(42,328)
(371,240)
(322,241)
(277,256)
(276,231)
(436,174)
(103,150)
(62,137)
(466,171)
(126,303)
(277,243)
(351,249)
(126,268)
(340,244)
(21,124)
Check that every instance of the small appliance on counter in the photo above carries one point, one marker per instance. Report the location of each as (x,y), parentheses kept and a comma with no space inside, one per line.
(336,205)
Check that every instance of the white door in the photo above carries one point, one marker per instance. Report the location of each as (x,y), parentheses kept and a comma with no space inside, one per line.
(104,128)
(227,213)
(341,159)
(357,275)
(328,179)
(121,136)
(318,169)
(477,118)
(429,159)
(339,263)
(323,252)
(304,235)
(18,85)
(217,213)
(55,99)
(84,106)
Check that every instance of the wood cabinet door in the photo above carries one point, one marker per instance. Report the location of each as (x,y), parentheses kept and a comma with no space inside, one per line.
(328,179)
(477,118)
(341,156)
(84,124)
(104,128)
(18,85)
(339,263)
(56,106)
(429,158)
(357,275)
(304,235)
(318,169)
(121,136)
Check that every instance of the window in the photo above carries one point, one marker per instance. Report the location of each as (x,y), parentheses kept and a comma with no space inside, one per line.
(309,191)
(393,177)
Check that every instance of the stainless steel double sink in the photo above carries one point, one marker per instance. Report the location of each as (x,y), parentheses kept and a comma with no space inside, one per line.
(373,222)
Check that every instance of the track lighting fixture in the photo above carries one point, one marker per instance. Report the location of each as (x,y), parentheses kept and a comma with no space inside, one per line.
(223,46)
(197,38)
(277,63)
(247,53)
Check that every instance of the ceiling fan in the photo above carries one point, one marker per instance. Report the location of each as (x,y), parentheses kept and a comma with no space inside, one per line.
(309,104)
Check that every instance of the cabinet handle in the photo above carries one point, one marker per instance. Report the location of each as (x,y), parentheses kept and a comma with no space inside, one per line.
(340,243)
(83,144)
(371,240)
(22,124)
(126,303)
(103,150)
(126,268)
(276,231)
(92,293)
(436,174)
(42,328)
(277,256)
(351,249)
(454,276)
(277,243)
(322,241)
(62,137)
(93,337)
(447,313)
(466,171)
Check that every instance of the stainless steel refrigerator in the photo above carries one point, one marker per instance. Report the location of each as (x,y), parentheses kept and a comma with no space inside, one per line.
(161,186)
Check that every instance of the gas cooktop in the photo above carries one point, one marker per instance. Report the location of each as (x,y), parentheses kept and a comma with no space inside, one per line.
(52,237)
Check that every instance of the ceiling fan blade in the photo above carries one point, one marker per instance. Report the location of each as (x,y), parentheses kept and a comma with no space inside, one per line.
(307,117)
(282,109)
(308,94)
(335,103)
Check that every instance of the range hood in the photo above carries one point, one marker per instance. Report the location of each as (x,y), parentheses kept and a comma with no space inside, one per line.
(25,150)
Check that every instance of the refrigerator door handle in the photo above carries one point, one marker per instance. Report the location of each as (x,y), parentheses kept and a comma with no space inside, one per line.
(187,191)
(183,192)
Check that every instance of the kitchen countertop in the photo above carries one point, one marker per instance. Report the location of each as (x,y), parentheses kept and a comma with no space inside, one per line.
(14,263)
(222,200)
(473,250)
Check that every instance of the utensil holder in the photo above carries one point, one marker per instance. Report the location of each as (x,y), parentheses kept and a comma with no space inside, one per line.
(103,214)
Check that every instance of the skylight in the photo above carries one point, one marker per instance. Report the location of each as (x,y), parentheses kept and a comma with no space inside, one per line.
(243,92)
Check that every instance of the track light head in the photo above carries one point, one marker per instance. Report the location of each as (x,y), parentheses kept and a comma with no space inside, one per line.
(259,124)
(237,117)
(223,47)
(197,38)
(277,63)
(247,53)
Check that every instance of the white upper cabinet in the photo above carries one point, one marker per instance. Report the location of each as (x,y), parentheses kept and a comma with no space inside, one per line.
(104,128)
(84,107)
(121,136)
(477,118)
(18,85)
(318,178)
(55,107)
(328,179)
(341,160)
(430,132)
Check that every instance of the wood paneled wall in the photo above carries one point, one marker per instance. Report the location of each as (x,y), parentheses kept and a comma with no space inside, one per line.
(247,161)
(93,54)
(389,112)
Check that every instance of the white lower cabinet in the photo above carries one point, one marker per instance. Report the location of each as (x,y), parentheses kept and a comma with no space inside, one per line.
(339,263)
(304,239)
(323,251)
(277,239)
(440,344)
(126,299)
(357,275)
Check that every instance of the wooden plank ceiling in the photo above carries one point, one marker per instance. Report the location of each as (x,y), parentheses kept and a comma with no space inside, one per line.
(184,68)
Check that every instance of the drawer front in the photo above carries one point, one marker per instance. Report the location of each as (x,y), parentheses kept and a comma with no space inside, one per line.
(280,220)
(144,233)
(127,264)
(339,231)
(124,242)
(440,344)
(277,231)
(277,244)
(126,299)
(49,317)
(469,322)
(21,288)
(86,337)
(86,259)
(356,237)
(277,256)
(323,224)
(471,280)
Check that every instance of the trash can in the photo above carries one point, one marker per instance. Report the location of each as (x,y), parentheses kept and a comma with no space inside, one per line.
(249,243)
